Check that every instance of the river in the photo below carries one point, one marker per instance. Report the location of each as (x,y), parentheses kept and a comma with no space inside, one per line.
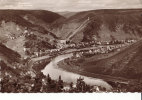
(54,71)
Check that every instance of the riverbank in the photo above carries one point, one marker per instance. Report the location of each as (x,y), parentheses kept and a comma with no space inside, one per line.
(54,71)
(78,70)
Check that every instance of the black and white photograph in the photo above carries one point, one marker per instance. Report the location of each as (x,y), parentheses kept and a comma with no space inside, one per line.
(71,46)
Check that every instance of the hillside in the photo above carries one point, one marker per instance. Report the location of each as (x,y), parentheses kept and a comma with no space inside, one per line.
(101,25)
(20,28)
(14,15)
(8,55)
(125,64)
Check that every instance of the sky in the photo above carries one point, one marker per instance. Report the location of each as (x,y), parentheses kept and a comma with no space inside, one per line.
(69,5)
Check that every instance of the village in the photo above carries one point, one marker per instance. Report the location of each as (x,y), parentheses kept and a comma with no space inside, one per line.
(93,47)
(42,57)
(67,46)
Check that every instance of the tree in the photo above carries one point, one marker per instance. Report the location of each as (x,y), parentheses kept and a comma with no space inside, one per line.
(71,87)
(48,79)
(59,84)
(80,85)
(51,84)
(37,83)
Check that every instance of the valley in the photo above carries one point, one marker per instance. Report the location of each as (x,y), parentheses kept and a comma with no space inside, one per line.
(105,45)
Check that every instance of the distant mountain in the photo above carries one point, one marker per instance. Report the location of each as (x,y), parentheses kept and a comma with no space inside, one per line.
(67,14)
(20,28)
(14,15)
(101,25)
(39,19)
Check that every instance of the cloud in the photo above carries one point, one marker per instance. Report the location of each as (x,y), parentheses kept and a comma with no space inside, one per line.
(69,5)
(78,5)
(4,3)
(15,4)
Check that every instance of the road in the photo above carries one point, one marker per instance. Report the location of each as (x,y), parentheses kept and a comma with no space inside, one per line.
(62,52)
(78,29)
(41,58)
(77,73)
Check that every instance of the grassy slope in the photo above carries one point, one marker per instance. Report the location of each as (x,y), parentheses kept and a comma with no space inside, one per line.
(124,64)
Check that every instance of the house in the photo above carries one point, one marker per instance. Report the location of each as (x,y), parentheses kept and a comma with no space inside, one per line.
(18,28)
(77,55)
(36,53)
(25,31)
(66,88)
(25,49)
(61,43)
(98,43)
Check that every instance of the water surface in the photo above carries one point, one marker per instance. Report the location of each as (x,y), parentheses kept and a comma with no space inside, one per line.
(54,71)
